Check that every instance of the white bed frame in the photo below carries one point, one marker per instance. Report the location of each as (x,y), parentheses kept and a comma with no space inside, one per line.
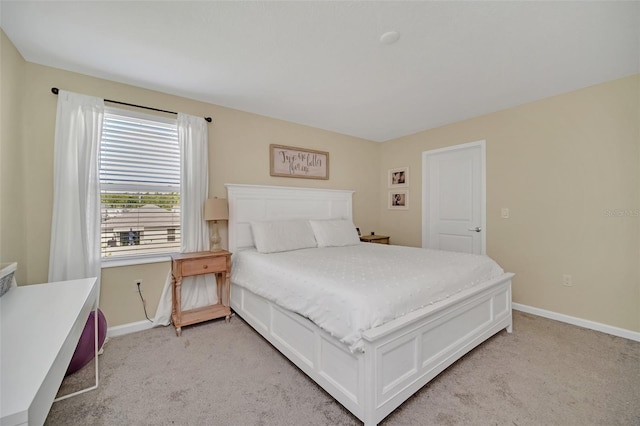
(399,357)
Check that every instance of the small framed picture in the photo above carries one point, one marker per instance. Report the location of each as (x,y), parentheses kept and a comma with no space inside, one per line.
(399,200)
(399,177)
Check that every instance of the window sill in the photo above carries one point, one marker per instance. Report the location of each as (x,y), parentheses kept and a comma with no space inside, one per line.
(135,260)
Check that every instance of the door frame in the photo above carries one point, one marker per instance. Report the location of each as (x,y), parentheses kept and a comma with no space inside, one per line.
(483,188)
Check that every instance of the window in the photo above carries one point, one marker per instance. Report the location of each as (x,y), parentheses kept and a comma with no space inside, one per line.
(139,185)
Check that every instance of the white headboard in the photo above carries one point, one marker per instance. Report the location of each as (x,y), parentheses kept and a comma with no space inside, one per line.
(249,203)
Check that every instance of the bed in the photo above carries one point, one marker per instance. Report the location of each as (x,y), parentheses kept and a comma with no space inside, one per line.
(388,363)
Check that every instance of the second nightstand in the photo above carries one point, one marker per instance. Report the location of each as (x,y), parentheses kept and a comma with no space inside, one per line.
(379,239)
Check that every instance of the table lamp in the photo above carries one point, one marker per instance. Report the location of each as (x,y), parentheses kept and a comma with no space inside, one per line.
(215,209)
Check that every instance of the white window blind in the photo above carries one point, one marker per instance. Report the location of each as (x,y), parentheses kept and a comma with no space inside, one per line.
(140,184)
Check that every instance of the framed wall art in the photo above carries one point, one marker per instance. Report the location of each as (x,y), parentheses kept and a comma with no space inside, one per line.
(399,200)
(399,177)
(288,161)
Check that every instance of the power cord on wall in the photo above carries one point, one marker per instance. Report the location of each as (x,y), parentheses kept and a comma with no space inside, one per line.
(144,304)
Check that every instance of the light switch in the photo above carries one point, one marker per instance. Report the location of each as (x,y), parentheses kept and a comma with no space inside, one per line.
(505,213)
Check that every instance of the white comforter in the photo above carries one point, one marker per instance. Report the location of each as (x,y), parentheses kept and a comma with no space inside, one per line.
(348,290)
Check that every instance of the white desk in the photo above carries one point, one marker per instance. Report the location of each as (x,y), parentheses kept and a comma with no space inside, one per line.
(39,330)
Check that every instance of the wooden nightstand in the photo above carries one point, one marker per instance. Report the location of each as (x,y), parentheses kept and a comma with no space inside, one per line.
(190,264)
(379,239)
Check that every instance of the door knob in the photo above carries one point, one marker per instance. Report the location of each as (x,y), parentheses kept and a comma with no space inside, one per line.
(476,229)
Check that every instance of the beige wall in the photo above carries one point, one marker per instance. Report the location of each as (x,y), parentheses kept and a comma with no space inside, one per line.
(238,153)
(559,165)
(12,224)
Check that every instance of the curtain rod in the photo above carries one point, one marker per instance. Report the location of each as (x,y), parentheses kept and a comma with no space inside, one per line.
(55,91)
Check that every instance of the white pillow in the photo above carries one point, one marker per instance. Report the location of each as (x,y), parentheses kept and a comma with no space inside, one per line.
(282,235)
(335,233)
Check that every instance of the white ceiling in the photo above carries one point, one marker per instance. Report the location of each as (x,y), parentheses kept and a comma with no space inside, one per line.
(322,64)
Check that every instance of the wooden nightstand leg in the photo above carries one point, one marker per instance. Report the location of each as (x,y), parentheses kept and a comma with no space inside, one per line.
(178,307)
(219,288)
(227,295)
(174,313)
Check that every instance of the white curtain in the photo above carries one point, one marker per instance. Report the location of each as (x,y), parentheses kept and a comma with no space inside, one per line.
(200,290)
(75,225)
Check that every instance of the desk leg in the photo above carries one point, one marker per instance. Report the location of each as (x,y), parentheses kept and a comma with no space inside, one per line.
(95,353)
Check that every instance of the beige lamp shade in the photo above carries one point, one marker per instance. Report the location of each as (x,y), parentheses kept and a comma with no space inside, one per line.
(216,209)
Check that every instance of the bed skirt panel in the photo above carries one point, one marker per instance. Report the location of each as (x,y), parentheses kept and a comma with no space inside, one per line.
(399,357)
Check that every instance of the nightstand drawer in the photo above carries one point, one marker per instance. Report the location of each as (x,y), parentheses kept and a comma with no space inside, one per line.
(204,266)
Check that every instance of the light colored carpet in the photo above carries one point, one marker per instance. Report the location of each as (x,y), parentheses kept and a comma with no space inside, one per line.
(545,373)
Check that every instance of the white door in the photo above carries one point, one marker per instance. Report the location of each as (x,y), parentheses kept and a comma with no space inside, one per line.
(453,198)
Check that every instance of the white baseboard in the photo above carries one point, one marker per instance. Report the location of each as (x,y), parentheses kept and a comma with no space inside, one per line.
(616,331)
(121,330)
(132,327)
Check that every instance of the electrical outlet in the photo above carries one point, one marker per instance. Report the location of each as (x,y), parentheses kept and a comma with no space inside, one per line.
(138,283)
(567,281)
(504,213)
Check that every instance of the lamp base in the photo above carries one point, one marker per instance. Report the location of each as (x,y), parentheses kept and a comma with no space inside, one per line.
(215,239)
